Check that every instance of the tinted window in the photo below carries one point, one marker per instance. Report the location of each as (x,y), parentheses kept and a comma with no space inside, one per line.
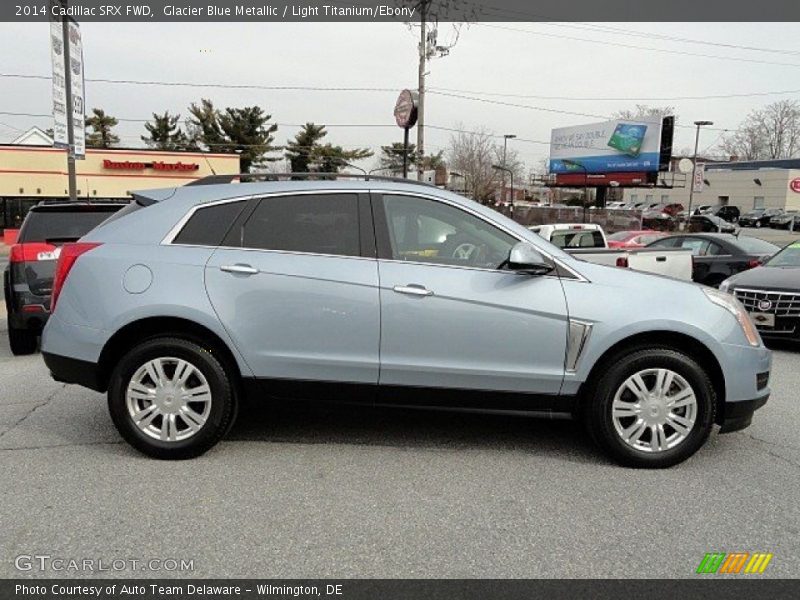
(424,230)
(697,246)
(665,243)
(208,226)
(63,225)
(315,223)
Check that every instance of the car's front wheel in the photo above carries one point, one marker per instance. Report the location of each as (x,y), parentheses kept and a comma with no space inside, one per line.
(171,398)
(652,408)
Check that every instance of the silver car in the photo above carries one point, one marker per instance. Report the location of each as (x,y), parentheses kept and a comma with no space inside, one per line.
(386,293)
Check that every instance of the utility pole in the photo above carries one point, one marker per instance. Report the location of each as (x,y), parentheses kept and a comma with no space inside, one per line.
(699,124)
(71,176)
(423,63)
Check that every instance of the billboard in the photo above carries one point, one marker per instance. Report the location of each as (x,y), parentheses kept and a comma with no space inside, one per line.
(619,146)
(60,63)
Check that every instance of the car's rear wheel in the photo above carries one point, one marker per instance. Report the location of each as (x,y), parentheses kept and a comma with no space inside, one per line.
(22,341)
(171,398)
(652,408)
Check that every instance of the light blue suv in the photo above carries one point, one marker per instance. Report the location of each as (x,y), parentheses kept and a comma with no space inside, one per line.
(386,293)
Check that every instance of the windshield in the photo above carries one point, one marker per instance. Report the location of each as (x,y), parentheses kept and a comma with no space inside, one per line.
(788,257)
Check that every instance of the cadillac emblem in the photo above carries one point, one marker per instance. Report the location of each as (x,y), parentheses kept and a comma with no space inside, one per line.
(764,305)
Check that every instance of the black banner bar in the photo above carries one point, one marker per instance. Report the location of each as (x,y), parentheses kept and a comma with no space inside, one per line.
(409,10)
(390,589)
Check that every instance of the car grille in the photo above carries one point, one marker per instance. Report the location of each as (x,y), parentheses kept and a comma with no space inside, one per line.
(781,304)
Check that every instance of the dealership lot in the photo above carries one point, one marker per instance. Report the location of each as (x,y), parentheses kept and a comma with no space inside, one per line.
(299,492)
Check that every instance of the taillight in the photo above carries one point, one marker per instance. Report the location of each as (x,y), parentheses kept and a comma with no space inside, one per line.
(32,252)
(622,261)
(752,264)
(69,254)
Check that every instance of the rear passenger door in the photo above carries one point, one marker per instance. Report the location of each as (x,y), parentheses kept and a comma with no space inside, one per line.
(295,284)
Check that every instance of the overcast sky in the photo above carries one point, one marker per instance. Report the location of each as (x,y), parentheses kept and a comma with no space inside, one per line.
(488,58)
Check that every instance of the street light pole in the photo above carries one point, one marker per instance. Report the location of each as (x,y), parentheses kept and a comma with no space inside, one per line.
(699,124)
(575,163)
(510,172)
(506,137)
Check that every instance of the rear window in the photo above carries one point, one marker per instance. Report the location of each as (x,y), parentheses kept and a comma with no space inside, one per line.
(208,226)
(756,246)
(577,239)
(620,236)
(63,225)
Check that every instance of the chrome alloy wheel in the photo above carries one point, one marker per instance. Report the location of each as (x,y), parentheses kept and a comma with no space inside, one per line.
(168,399)
(654,410)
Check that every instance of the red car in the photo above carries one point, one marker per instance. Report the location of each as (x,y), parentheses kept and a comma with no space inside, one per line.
(634,239)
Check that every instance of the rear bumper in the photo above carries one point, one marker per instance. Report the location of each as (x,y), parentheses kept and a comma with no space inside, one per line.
(73,370)
(738,415)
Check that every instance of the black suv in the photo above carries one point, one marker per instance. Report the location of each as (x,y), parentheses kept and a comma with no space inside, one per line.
(28,279)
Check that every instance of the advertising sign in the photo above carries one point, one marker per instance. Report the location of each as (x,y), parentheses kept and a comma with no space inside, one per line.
(794,185)
(405,109)
(76,68)
(59,85)
(698,181)
(60,63)
(618,146)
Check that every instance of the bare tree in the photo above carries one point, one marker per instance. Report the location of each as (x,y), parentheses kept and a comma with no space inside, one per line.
(645,112)
(767,133)
(472,154)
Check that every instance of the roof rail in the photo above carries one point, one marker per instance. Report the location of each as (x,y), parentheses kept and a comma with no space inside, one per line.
(260,177)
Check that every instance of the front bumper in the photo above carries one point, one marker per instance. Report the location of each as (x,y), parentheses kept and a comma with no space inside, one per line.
(738,415)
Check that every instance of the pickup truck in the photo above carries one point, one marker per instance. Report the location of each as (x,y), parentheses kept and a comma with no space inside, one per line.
(587,241)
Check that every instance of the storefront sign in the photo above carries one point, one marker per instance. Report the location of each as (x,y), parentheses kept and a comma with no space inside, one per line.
(405,109)
(794,185)
(128,165)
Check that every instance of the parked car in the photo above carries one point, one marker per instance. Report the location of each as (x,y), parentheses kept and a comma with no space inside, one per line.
(717,256)
(587,241)
(786,220)
(386,293)
(724,211)
(634,239)
(673,209)
(759,217)
(28,278)
(771,293)
(710,223)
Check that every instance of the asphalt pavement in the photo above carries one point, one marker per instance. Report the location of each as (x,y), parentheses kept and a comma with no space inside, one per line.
(342,493)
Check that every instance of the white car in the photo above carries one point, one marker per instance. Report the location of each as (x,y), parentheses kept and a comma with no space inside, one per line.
(587,241)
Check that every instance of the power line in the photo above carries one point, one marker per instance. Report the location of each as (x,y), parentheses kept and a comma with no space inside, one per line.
(633,46)
(290,88)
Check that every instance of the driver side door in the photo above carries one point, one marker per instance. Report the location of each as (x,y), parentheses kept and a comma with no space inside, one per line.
(452,322)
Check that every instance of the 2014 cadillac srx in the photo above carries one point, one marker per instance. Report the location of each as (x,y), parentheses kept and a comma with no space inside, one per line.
(386,293)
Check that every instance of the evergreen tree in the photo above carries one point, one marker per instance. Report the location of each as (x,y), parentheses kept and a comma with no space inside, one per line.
(102,135)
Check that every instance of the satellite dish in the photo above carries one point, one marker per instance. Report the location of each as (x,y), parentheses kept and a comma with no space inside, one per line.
(685,165)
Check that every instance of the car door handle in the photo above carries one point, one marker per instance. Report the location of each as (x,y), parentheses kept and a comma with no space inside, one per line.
(239,269)
(413,289)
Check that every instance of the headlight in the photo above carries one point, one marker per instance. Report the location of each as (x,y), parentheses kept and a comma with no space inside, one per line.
(733,306)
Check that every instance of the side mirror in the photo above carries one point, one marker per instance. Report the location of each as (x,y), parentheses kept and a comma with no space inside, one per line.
(525,258)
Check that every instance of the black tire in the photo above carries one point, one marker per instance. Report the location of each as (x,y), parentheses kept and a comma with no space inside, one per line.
(22,341)
(223,404)
(598,414)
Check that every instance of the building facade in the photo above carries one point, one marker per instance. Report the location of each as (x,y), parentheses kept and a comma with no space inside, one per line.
(744,184)
(30,174)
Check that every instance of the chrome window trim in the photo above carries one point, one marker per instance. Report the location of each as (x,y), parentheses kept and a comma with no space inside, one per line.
(169,238)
